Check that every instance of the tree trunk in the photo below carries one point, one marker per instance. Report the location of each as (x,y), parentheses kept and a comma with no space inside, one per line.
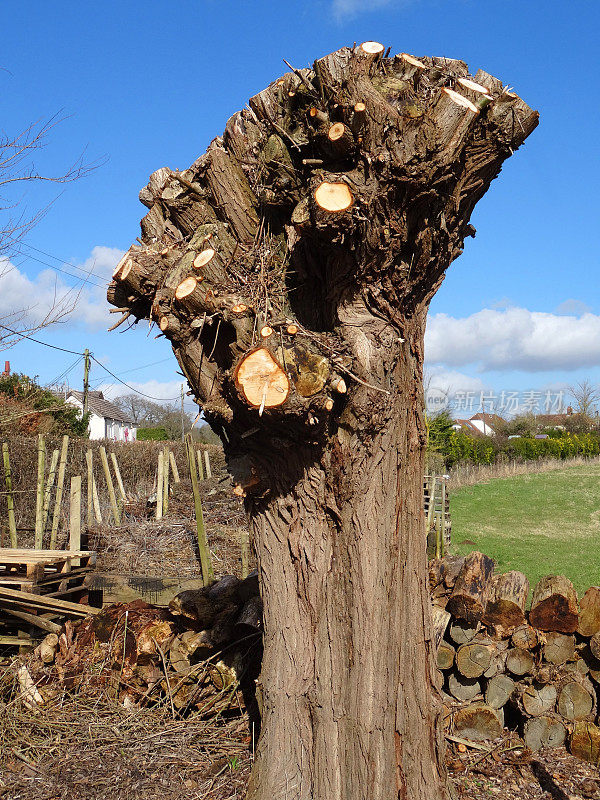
(332,206)
(348,540)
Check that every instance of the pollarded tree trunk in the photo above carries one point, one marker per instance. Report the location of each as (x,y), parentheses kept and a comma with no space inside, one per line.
(291,267)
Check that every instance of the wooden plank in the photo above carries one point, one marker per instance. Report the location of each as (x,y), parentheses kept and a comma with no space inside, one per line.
(14,597)
(207,463)
(200,464)
(35,620)
(19,641)
(157,590)
(9,555)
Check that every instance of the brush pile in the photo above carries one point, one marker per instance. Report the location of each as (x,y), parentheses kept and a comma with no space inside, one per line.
(200,657)
(536,671)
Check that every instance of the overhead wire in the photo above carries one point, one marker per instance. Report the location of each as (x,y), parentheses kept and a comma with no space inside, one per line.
(93,358)
(56,258)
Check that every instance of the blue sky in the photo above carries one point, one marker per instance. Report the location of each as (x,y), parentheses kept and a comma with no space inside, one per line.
(149,84)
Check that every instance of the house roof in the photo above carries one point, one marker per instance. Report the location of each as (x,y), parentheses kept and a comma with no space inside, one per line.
(548,420)
(468,425)
(490,420)
(103,408)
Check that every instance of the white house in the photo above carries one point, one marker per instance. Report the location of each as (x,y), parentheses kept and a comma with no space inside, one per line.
(107,421)
(478,423)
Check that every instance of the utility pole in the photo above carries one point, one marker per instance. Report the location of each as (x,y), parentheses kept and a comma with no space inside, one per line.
(86,378)
(182,417)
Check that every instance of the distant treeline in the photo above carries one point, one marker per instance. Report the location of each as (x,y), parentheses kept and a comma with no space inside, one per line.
(455,447)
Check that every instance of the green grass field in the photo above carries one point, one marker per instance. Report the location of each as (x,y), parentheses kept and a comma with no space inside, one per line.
(541,524)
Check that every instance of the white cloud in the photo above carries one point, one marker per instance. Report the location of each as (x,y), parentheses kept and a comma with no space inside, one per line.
(347,9)
(514,339)
(33,298)
(451,381)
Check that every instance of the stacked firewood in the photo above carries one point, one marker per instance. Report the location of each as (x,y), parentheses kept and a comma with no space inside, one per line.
(498,665)
(194,657)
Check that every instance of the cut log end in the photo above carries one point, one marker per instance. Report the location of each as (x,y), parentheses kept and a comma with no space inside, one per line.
(123,270)
(333,197)
(460,100)
(337,130)
(414,62)
(360,107)
(203,258)
(372,48)
(261,381)
(186,287)
(292,330)
(266,331)
(472,86)
(120,266)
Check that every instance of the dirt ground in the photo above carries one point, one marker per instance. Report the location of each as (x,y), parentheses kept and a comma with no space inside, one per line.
(80,750)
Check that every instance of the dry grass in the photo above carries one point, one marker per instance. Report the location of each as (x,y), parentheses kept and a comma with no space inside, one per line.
(92,748)
(471,474)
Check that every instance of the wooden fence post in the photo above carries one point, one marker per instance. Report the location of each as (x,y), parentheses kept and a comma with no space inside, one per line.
(160,485)
(442,535)
(245,548)
(203,549)
(115,464)
(39,502)
(166,465)
(90,489)
(200,464)
(49,485)
(12,525)
(207,461)
(96,500)
(174,469)
(59,491)
(75,514)
(110,486)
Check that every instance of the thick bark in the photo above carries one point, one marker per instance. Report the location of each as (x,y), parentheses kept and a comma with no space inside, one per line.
(333,206)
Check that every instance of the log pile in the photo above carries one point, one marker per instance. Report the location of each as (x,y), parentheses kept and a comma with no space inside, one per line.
(536,671)
(202,655)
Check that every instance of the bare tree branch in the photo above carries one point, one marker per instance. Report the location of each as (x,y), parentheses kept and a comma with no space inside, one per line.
(17,166)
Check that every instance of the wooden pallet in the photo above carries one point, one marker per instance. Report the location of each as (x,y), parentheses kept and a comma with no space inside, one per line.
(45,571)
(38,590)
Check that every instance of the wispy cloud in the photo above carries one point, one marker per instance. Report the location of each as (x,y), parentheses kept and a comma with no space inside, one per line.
(348,9)
(514,339)
(33,297)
